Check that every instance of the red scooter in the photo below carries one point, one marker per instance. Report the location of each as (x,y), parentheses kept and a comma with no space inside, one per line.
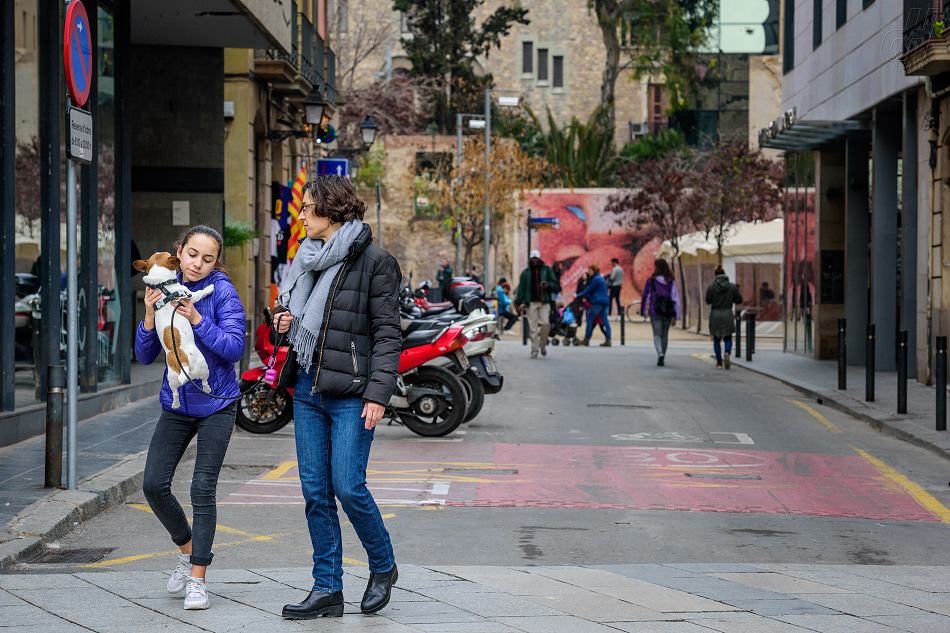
(429,401)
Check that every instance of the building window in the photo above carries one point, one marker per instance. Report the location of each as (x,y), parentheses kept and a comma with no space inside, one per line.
(558,71)
(841,13)
(542,64)
(816,25)
(403,22)
(656,115)
(342,16)
(788,39)
(527,55)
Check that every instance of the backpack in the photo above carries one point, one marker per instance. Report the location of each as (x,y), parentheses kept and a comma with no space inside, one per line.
(663,304)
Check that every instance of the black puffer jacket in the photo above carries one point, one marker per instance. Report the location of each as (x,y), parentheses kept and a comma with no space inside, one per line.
(357,354)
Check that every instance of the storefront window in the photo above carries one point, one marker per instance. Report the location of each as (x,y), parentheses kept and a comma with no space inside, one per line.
(799,252)
(27,204)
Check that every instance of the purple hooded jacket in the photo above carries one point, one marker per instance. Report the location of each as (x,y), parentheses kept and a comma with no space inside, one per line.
(220,338)
(658,286)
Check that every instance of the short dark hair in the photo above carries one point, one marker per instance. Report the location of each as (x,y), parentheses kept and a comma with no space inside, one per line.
(614,261)
(336,199)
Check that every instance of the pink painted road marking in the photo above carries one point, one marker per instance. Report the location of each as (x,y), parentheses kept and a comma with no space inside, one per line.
(609,477)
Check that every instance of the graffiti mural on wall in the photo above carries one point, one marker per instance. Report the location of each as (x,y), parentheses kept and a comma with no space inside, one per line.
(587,235)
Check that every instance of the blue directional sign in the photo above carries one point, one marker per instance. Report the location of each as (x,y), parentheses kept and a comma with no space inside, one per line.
(333,167)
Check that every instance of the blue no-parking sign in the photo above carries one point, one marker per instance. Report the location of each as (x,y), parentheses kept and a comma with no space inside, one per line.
(78,53)
(333,167)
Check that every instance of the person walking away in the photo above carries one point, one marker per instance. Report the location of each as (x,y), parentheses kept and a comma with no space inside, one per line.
(721,295)
(614,284)
(506,315)
(661,302)
(535,287)
(596,292)
(342,295)
(218,324)
(444,279)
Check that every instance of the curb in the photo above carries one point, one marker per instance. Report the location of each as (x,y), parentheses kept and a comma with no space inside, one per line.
(60,512)
(896,426)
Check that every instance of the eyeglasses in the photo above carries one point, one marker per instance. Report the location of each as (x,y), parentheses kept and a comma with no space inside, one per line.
(306,208)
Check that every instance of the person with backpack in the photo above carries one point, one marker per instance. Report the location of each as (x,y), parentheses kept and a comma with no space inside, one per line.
(661,301)
(721,295)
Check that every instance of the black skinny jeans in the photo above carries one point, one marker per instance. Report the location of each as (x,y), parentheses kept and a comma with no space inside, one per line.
(169,441)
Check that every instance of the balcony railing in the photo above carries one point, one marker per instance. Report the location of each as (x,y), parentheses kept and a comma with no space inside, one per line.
(922,30)
(331,77)
(306,50)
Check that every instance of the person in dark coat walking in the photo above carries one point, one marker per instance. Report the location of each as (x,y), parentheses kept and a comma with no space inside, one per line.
(598,296)
(343,299)
(721,295)
(218,324)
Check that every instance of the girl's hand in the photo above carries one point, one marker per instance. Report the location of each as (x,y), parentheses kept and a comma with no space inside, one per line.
(373,413)
(151,298)
(282,322)
(186,308)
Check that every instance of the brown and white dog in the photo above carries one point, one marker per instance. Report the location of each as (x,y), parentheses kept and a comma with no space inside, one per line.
(160,269)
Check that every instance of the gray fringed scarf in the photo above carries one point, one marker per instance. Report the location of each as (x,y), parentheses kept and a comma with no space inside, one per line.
(308,284)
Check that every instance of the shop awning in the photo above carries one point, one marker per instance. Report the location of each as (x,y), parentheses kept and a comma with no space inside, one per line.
(790,134)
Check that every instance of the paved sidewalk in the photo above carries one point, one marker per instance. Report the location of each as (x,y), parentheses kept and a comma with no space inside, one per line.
(732,598)
(819,380)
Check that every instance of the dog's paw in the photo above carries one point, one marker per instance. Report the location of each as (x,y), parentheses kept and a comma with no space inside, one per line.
(207,387)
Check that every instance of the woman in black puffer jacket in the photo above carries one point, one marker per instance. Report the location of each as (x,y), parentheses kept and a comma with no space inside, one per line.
(342,294)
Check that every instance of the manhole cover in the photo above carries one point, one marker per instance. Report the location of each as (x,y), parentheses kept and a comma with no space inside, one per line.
(90,555)
(619,406)
(483,471)
(721,476)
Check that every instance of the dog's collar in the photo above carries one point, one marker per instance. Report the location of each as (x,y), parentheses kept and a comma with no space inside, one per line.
(169,296)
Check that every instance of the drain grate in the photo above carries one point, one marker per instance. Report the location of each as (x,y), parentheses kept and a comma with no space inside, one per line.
(69,556)
(618,406)
(720,476)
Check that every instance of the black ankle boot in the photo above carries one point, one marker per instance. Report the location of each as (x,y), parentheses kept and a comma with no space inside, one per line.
(378,590)
(317,603)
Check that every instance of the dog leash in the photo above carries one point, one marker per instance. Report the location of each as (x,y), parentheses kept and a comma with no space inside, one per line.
(179,294)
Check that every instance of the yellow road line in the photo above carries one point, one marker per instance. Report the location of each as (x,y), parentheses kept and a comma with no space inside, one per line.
(705,357)
(129,559)
(922,497)
(220,528)
(828,424)
(278,472)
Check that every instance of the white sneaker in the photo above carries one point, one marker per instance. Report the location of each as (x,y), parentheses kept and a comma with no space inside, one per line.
(179,577)
(196,596)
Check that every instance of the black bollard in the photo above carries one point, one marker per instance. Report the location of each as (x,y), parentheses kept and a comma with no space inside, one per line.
(739,334)
(869,365)
(524,331)
(623,334)
(842,354)
(752,331)
(55,381)
(902,372)
(749,335)
(940,371)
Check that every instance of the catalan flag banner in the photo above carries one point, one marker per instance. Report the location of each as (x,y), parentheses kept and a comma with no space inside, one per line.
(296,226)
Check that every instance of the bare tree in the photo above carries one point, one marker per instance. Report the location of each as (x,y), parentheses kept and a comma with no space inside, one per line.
(359,30)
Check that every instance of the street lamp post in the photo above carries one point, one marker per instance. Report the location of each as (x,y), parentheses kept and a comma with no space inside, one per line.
(505,101)
(458,162)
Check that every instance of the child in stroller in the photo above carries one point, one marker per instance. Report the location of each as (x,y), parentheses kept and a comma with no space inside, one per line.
(563,324)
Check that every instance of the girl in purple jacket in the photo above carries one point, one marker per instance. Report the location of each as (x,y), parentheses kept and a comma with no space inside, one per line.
(218,324)
(661,302)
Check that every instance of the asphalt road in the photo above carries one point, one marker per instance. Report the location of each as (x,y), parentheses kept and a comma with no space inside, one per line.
(592,456)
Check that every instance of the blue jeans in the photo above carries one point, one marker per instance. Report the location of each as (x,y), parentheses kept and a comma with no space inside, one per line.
(592,312)
(332,452)
(169,441)
(718,350)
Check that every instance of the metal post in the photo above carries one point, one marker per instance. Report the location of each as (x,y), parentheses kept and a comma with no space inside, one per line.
(72,326)
(738,349)
(55,380)
(902,372)
(458,170)
(750,335)
(379,212)
(529,233)
(487,237)
(842,354)
(869,365)
(623,334)
(940,371)
(524,330)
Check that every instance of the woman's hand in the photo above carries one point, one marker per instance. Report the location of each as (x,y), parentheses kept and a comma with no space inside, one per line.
(186,308)
(282,322)
(373,413)
(151,298)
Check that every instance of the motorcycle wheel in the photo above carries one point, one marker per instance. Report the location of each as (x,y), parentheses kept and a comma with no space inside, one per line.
(253,419)
(475,391)
(450,407)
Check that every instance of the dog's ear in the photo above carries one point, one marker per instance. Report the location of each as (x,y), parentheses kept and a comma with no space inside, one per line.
(173,263)
(140,265)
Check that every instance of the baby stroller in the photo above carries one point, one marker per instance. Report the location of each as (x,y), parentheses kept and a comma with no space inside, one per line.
(563,325)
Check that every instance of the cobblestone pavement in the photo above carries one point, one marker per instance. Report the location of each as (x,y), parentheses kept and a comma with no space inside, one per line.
(687,598)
